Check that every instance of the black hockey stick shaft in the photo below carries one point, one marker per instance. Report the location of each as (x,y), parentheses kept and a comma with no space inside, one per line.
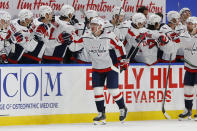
(85,25)
(82,11)
(165,91)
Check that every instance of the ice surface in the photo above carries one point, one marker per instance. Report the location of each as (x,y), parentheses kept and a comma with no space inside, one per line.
(160,125)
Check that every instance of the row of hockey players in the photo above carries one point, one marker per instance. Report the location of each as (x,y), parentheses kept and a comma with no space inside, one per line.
(47,39)
(31,41)
(146,39)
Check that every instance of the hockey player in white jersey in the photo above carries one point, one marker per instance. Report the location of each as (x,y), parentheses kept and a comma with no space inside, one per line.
(185,13)
(104,64)
(142,43)
(81,27)
(152,43)
(135,34)
(5,34)
(41,35)
(22,36)
(117,23)
(188,42)
(170,30)
(60,37)
(82,56)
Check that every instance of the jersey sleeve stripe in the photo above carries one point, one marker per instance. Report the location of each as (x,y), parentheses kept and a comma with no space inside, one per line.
(131,33)
(117,47)
(79,41)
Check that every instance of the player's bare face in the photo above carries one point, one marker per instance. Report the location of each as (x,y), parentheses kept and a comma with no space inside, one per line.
(119,18)
(28,21)
(49,16)
(70,16)
(95,28)
(140,25)
(4,24)
(186,14)
(157,26)
(175,21)
(145,13)
(190,26)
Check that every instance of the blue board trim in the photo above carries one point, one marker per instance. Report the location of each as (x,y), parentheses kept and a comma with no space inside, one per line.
(60,65)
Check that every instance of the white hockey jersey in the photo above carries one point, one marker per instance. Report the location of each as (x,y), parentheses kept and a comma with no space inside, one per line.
(148,48)
(22,41)
(27,35)
(56,50)
(179,30)
(148,52)
(41,37)
(120,30)
(189,44)
(82,56)
(4,43)
(99,49)
(172,46)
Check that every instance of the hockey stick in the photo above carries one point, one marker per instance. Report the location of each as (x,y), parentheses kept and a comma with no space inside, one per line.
(4,115)
(132,54)
(164,99)
(82,11)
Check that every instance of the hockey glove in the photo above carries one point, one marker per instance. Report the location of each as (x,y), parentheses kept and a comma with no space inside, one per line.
(163,40)
(73,20)
(16,38)
(124,64)
(42,30)
(4,58)
(175,37)
(65,38)
(141,37)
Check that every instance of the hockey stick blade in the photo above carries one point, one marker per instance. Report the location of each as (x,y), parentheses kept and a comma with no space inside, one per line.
(4,115)
(166,86)
(167,116)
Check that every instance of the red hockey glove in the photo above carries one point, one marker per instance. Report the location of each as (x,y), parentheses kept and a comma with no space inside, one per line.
(17,38)
(4,58)
(175,37)
(124,64)
(141,37)
(163,40)
(65,38)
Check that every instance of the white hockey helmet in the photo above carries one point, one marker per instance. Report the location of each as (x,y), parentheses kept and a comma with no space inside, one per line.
(153,19)
(97,20)
(172,15)
(91,13)
(117,10)
(191,20)
(138,18)
(25,14)
(4,15)
(43,10)
(66,10)
(183,10)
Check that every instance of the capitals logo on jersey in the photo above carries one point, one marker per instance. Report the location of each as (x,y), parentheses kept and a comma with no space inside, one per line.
(194,49)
